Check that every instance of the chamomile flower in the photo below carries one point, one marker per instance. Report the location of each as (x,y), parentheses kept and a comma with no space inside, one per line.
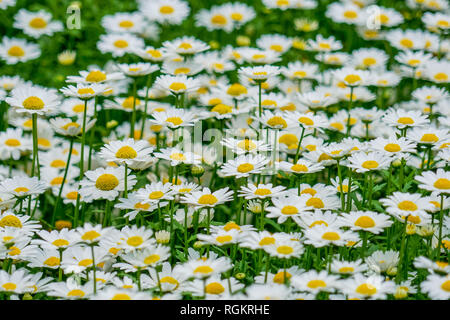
(165,11)
(14,50)
(123,22)
(285,207)
(206,198)
(438,182)
(315,282)
(13,144)
(366,221)
(70,289)
(185,46)
(176,84)
(204,268)
(36,24)
(323,235)
(285,249)
(261,191)
(118,44)
(16,282)
(259,73)
(373,161)
(22,186)
(437,287)
(84,91)
(33,100)
(177,156)
(348,267)
(371,287)
(126,152)
(134,238)
(244,165)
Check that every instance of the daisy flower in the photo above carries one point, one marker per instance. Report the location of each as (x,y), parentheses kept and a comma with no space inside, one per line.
(244,165)
(436,286)
(381,261)
(13,144)
(371,287)
(165,11)
(17,281)
(33,100)
(404,204)
(176,84)
(206,198)
(155,192)
(174,118)
(22,186)
(261,191)
(70,289)
(126,152)
(177,156)
(123,22)
(119,44)
(67,127)
(348,267)
(285,207)
(134,238)
(104,183)
(84,91)
(364,162)
(438,182)
(36,24)
(185,46)
(137,69)
(285,249)
(204,268)
(366,221)
(300,167)
(315,282)
(259,73)
(14,50)
(323,235)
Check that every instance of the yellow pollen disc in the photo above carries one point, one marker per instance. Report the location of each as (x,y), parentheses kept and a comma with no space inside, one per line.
(382,18)
(12,142)
(370,164)
(52,262)
(246,144)
(350,14)
(76,293)
(442,183)
(314,284)
(222,108)
(38,23)
(337,125)
(154,53)
(392,147)
(331,236)
(352,78)
(414,62)
(177,156)
(95,76)
(214,288)
(128,102)
(90,235)
(446,286)
(72,195)
(177,86)
(9,286)
(143,206)
(219,19)
(14,251)
(288,139)
(83,91)
(300,74)
(236,16)
(440,76)
(346,270)
(299,168)
(44,142)
(285,250)
(21,189)
(106,182)
(126,24)
(120,44)
(16,51)
(10,221)
(236,89)
(262,192)
(135,241)
(407,205)
(121,296)
(306,121)
(57,181)
(170,280)
(344,188)
(318,223)
(245,167)
(405,42)
(151,259)
(166,9)
(28,123)
(176,121)
(126,152)
(184,190)
(208,199)
(436,204)
(70,125)
(231,225)
(315,202)
(224,239)
(429,137)
(60,242)
(85,262)
(203,269)
(33,103)
(289,210)
(279,277)
(277,121)
(182,71)
(114,251)
(310,191)
(266,241)
(156,195)
(369,61)
(366,289)
(365,222)
(412,219)
(268,103)
(442,264)
(214,101)
(276,47)
(185,46)
(405,120)
(58,163)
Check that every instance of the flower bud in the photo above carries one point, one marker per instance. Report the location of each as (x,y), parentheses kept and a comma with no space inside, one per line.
(162,236)
(198,244)
(240,275)
(243,41)
(197,171)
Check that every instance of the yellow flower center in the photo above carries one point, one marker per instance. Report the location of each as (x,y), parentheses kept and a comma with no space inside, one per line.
(222,108)
(143,206)
(369,61)
(405,120)
(90,235)
(370,164)
(166,9)
(151,259)
(126,24)
(16,51)
(310,191)
(60,242)
(72,195)
(314,284)
(170,280)
(203,269)
(75,293)
(318,223)
(346,269)
(10,221)
(176,121)
(299,168)
(177,156)
(442,183)
(285,250)
(236,89)
(85,262)
(236,16)
(214,288)
(392,147)
(306,121)
(182,71)
(135,241)
(440,76)
(331,236)
(121,296)
(408,43)
(289,210)
(106,182)
(126,152)
(38,23)
(277,121)
(366,289)
(262,192)
(224,239)
(365,222)
(266,241)
(94,76)
(120,44)
(246,144)
(52,262)
(352,79)
(407,205)
(177,86)
(156,195)
(350,14)
(429,137)
(245,167)
(208,199)
(83,91)
(33,103)
(315,202)
(56,181)
(12,142)
(276,47)
(219,19)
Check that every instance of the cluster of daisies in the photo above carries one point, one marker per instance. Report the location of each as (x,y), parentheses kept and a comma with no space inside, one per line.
(297,168)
